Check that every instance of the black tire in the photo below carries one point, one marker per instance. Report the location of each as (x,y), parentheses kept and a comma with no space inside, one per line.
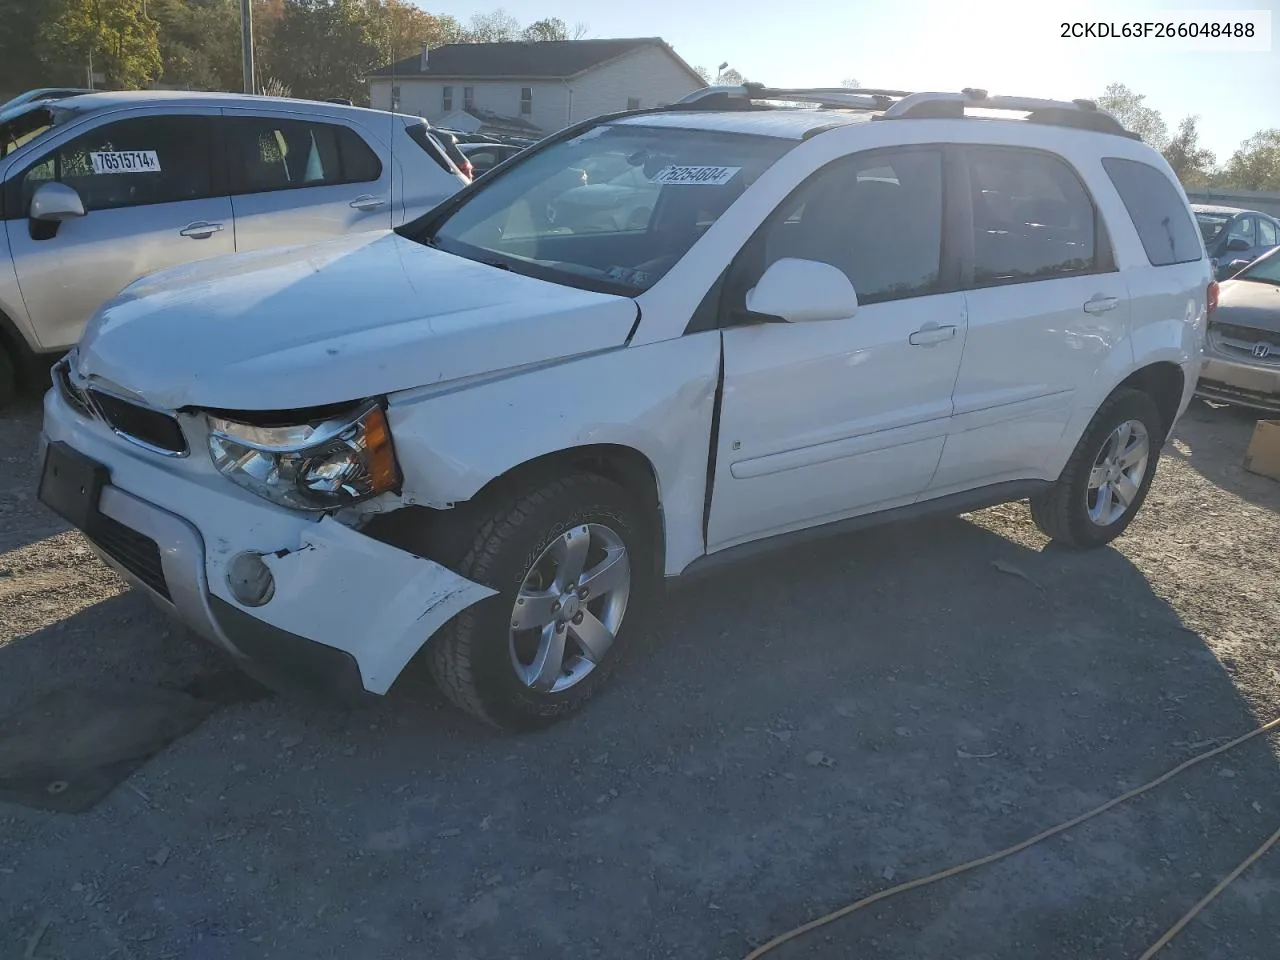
(470,658)
(8,378)
(1062,512)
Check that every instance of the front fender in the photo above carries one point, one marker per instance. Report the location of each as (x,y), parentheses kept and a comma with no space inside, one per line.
(656,399)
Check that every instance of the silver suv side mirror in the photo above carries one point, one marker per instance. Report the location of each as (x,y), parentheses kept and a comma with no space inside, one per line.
(799,291)
(55,202)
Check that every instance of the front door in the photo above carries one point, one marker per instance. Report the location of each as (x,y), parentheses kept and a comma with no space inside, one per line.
(296,178)
(825,420)
(153,198)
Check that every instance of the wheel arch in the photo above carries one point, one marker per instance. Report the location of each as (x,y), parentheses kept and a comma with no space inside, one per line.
(1164,382)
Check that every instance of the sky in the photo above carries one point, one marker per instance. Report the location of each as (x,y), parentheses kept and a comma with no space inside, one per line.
(1004,46)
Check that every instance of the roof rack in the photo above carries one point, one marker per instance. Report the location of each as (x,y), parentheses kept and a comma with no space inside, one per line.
(903,105)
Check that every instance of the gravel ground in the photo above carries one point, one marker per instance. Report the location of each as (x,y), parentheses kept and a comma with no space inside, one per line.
(961,707)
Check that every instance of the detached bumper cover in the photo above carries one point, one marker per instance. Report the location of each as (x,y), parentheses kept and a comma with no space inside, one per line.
(1254,385)
(348,612)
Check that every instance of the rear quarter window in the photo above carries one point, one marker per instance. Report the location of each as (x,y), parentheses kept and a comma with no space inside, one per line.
(1158,211)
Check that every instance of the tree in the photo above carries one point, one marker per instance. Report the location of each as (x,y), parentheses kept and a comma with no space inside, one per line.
(400,29)
(1129,109)
(115,35)
(1256,165)
(493,27)
(323,48)
(704,73)
(1192,163)
(731,77)
(850,83)
(199,43)
(552,28)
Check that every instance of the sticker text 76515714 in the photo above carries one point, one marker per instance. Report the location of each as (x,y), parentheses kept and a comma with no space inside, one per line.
(125,161)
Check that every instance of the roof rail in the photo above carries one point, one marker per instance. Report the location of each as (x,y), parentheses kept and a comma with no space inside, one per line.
(902,105)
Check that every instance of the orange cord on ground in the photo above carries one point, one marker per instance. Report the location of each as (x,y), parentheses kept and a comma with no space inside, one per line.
(1173,931)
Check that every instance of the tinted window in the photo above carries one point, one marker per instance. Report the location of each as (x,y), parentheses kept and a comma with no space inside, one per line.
(1266,233)
(1032,219)
(1158,212)
(877,217)
(267,153)
(1241,229)
(130,163)
(420,134)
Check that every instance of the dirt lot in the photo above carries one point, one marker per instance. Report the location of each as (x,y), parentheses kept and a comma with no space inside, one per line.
(964,707)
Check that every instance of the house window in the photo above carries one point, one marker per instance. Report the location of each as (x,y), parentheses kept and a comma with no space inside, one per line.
(468,98)
(633,103)
(526,101)
(446,100)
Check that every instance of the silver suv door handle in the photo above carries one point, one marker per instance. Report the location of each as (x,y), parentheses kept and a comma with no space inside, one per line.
(1101,304)
(929,335)
(367,202)
(200,230)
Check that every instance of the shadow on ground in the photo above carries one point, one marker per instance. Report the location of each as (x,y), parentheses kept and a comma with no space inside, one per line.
(1212,439)
(962,707)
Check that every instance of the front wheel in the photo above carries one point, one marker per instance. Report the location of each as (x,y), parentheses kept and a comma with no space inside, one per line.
(572,562)
(1106,480)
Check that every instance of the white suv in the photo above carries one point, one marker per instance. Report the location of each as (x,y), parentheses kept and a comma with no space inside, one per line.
(97,190)
(488,438)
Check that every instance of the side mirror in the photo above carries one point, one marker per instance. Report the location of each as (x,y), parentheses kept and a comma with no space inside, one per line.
(1237,245)
(54,202)
(800,291)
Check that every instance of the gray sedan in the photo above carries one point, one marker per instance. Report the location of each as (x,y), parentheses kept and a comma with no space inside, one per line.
(1242,356)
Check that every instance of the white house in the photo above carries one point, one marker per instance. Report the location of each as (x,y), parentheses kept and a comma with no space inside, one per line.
(532,88)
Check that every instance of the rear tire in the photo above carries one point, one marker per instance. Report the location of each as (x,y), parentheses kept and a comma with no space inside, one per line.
(1097,496)
(522,546)
(8,378)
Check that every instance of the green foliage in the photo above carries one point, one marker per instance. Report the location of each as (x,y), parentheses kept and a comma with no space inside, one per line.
(1256,165)
(1192,163)
(121,42)
(1129,109)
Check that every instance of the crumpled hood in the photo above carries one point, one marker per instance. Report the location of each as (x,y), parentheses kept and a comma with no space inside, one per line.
(358,316)
(1247,303)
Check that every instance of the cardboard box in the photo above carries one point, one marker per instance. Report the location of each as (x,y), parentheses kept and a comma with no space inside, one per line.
(1263,455)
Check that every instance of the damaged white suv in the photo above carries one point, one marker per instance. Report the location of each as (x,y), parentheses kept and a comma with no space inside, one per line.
(489,435)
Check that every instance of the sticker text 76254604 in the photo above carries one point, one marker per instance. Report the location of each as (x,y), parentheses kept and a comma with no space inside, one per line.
(701,176)
(125,161)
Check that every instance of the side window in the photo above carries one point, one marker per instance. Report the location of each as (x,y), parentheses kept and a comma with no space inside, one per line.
(1266,233)
(1032,219)
(1158,212)
(269,153)
(131,163)
(1242,229)
(446,100)
(876,216)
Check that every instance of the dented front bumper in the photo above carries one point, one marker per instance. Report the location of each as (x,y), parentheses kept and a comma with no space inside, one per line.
(347,612)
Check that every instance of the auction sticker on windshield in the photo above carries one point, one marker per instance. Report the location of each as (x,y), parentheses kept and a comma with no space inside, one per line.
(704,176)
(126,161)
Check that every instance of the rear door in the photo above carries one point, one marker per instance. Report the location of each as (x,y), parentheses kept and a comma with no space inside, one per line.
(154,197)
(1046,306)
(296,178)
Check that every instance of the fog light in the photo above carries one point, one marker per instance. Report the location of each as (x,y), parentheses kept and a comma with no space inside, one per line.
(250,580)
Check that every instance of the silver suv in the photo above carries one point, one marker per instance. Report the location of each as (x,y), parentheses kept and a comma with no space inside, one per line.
(97,190)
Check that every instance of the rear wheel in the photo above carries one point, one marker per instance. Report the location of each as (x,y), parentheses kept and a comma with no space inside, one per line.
(8,377)
(572,562)
(1106,480)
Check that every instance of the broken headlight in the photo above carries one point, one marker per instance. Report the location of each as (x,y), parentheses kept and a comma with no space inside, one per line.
(319,465)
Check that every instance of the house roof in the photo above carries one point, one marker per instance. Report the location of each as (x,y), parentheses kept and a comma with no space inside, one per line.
(548,59)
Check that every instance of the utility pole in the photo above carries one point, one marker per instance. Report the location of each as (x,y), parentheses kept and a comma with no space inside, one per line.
(246,44)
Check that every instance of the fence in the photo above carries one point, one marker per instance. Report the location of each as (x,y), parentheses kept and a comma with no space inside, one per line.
(1245,199)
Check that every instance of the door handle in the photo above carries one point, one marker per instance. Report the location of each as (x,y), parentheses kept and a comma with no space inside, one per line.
(367,202)
(929,335)
(1101,304)
(200,230)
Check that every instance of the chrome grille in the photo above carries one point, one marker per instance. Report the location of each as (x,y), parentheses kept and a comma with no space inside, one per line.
(153,429)
(1244,342)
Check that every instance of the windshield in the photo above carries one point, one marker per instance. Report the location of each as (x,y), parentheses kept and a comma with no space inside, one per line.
(1266,269)
(23,125)
(611,209)
(1211,225)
